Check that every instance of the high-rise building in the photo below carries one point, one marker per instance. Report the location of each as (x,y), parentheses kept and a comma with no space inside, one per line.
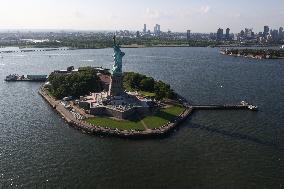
(138,34)
(188,35)
(220,34)
(227,34)
(265,31)
(281,33)
(274,35)
(145,28)
(249,33)
(157,29)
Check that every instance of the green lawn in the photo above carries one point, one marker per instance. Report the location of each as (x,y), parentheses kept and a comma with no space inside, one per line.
(145,93)
(159,119)
(162,117)
(120,124)
(148,94)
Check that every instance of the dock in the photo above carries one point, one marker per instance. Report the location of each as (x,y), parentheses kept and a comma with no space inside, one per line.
(30,78)
(242,106)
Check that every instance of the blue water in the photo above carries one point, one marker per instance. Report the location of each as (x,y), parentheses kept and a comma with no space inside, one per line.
(212,149)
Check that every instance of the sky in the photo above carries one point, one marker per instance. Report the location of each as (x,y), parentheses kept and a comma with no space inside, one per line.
(202,16)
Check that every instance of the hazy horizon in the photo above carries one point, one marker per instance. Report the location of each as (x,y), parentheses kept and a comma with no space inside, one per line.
(202,16)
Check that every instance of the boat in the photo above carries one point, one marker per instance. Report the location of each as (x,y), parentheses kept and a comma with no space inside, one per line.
(252,107)
(244,103)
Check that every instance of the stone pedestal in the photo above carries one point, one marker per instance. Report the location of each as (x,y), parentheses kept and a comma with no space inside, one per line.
(116,85)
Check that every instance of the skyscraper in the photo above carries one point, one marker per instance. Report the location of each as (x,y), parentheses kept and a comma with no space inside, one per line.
(249,33)
(145,28)
(138,34)
(157,29)
(281,33)
(220,34)
(228,34)
(188,35)
(265,31)
(275,35)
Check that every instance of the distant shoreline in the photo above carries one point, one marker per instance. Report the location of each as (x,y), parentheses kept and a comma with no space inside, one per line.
(255,53)
(20,49)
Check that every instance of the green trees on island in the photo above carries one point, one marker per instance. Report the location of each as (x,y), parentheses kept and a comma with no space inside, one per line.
(272,53)
(86,80)
(139,82)
(74,84)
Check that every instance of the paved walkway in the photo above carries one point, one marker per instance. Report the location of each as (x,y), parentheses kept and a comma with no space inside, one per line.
(144,124)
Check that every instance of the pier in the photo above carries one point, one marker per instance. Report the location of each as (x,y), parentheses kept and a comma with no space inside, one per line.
(242,106)
(31,78)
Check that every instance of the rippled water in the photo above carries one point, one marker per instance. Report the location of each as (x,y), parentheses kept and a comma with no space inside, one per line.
(212,149)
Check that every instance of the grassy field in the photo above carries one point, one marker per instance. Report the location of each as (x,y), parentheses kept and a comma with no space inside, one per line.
(144,93)
(148,94)
(120,124)
(157,120)
(162,117)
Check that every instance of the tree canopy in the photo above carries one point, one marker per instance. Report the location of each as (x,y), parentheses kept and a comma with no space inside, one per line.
(74,84)
(136,81)
(86,80)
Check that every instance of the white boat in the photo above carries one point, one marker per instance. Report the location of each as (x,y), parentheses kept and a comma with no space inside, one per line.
(244,103)
(251,107)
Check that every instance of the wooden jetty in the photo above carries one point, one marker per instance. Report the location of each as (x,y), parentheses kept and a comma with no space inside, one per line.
(242,106)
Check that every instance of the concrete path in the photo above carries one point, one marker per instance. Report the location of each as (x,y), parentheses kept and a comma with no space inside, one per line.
(144,124)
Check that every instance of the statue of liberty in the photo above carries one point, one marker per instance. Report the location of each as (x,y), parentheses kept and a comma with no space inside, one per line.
(118,54)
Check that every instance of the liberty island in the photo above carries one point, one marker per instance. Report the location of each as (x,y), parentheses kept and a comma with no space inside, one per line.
(150,109)
(112,110)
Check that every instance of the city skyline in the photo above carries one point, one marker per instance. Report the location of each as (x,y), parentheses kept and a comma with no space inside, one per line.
(199,16)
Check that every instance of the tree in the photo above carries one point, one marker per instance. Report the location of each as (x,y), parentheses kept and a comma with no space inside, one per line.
(147,84)
(136,81)
(74,84)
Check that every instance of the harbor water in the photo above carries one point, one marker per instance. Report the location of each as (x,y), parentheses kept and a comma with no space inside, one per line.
(212,149)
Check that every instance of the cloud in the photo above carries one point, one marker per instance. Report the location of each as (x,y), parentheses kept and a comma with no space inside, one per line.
(204,9)
(238,15)
(152,14)
(79,15)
